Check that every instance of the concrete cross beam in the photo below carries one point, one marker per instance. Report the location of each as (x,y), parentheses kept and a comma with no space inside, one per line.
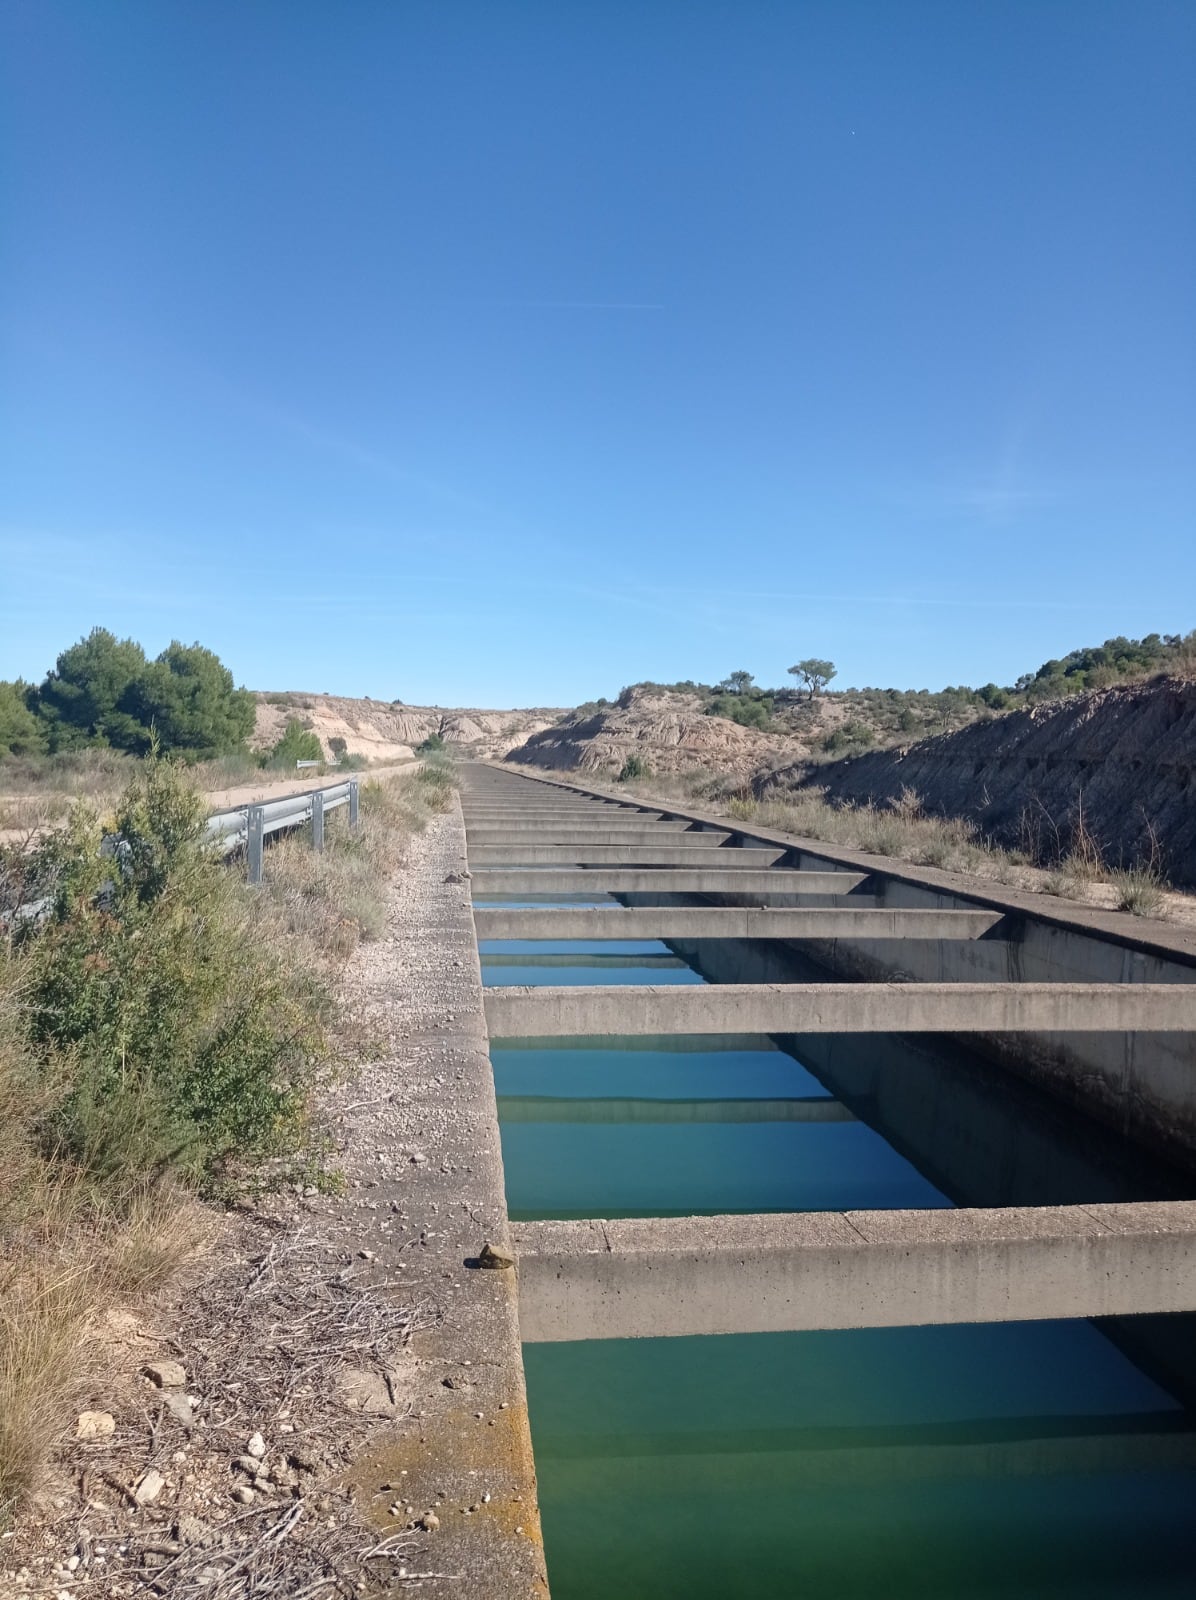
(677,1276)
(522,1012)
(668,853)
(646,880)
(731,922)
(515,840)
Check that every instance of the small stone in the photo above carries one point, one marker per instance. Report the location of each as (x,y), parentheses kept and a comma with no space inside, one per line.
(149,1486)
(166,1374)
(494,1259)
(95,1425)
(366,1255)
(430,1522)
(244,1494)
(256,1446)
(179,1407)
(72,1563)
(418,1158)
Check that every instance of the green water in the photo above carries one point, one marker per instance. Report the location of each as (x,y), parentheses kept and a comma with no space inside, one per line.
(1023,1460)
(640,1130)
(617,961)
(1026,1461)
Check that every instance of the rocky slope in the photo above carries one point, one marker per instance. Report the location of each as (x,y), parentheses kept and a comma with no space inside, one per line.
(385,730)
(669,730)
(1121,758)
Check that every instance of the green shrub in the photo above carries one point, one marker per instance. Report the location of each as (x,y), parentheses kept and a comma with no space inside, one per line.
(431,745)
(851,735)
(103,691)
(297,744)
(193,1044)
(634,767)
(750,711)
(21,734)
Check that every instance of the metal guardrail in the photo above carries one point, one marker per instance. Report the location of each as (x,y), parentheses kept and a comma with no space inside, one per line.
(247,827)
(241,828)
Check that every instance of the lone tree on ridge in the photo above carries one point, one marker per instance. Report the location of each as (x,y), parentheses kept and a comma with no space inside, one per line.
(738,682)
(814,673)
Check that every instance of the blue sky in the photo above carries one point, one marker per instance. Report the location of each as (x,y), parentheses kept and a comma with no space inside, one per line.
(505,353)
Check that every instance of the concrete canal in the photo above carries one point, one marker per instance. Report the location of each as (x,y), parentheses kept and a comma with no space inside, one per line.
(1032,1458)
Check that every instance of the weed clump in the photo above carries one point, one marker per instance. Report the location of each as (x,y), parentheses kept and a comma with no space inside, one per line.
(1140,890)
(192,1044)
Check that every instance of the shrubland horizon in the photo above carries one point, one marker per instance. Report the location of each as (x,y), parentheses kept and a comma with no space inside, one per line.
(105,691)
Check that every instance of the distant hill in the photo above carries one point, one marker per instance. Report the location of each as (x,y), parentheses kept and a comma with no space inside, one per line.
(388,730)
(669,729)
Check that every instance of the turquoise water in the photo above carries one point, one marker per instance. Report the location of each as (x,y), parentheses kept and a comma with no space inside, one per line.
(1023,1461)
(582,961)
(567,1159)
(1015,1462)
(634,1129)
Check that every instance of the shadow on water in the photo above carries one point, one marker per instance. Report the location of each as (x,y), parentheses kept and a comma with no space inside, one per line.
(1002,1461)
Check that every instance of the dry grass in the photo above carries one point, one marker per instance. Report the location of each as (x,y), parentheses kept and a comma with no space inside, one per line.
(322,906)
(902,831)
(1140,890)
(76,1254)
(45,1311)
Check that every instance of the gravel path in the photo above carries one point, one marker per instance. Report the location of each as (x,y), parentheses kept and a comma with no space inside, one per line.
(424,1164)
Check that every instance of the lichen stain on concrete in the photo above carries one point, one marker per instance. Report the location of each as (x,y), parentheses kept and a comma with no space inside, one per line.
(447,1464)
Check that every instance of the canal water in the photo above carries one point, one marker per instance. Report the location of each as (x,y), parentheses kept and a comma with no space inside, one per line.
(1033,1460)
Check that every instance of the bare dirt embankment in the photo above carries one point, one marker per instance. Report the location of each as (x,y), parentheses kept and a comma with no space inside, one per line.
(389,730)
(1117,763)
(672,734)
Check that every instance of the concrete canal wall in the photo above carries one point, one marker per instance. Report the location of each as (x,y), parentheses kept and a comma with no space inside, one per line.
(1140,1080)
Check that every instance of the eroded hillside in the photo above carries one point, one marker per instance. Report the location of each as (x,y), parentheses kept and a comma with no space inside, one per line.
(386,730)
(1119,761)
(671,733)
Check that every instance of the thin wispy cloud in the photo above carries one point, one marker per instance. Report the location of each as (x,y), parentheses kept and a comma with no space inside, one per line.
(583,305)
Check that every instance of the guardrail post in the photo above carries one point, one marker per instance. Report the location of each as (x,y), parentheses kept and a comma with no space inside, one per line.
(354,804)
(255,837)
(317,820)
